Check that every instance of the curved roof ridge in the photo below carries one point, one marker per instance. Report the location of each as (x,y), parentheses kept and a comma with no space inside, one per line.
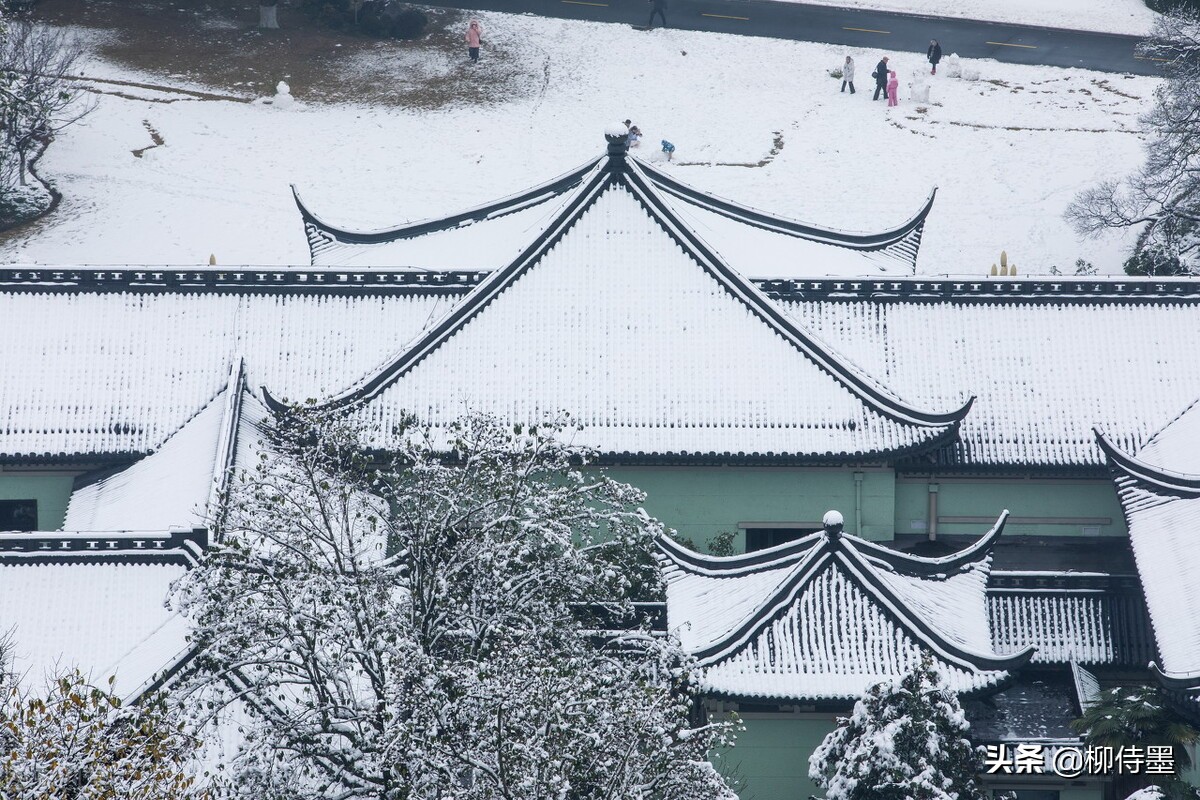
(722,566)
(972,554)
(322,234)
(476,300)
(862,569)
(829,551)
(825,357)
(1176,483)
(808,567)
(618,170)
(1180,681)
(1169,423)
(792,227)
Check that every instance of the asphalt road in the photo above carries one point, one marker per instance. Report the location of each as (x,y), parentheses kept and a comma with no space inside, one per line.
(886,32)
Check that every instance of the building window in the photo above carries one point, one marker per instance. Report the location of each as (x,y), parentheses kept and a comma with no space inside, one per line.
(18,515)
(762,538)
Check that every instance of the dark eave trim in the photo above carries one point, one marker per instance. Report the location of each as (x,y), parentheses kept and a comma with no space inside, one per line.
(181,547)
(728,566)
(1172,483)
(242,279)
(790,227)
(327,233)
(1176,681)
(923,566)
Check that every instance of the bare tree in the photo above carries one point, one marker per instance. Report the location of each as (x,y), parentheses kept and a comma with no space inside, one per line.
(1162,196)
(38,97)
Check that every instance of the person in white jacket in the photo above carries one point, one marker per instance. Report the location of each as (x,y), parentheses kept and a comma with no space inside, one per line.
(848,74)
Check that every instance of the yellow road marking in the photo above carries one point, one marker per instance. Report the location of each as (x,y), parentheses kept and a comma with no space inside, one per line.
(582,3)
(865,30)
(725,16)
(1006,44)
(1144,58)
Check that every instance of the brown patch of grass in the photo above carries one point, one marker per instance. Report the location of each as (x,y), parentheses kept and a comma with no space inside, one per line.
(155,137)
(217,44)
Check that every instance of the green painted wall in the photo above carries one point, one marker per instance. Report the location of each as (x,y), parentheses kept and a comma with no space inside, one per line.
(50,491)
(1038,507)
(769,761)
(701,502)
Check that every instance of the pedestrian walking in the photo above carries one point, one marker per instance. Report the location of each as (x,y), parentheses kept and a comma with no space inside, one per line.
(668,148)
(893,84)
(880,75)
(474,39)
(934,54)
(848,74)
(658,7)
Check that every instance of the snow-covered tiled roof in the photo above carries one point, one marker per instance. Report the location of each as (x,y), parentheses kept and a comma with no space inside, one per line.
(621,314)
(1176,447)
(1044,370)
(695,360)
(169,489)
(1162,509)
(1081,626)
(133,367)
(830,615)
(105,618)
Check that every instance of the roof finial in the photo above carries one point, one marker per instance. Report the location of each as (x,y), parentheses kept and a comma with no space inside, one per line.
(617,136)
(833,523)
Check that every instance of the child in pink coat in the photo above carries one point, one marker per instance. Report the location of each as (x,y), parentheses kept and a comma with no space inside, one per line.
(474,39)
(892,85)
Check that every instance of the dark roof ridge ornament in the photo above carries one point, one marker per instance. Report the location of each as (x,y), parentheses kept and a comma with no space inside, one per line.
(617,136)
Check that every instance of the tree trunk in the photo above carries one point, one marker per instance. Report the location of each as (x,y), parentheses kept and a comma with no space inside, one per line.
(268,16)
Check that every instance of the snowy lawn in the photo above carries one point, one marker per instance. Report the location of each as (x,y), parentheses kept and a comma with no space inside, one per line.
(756,120)
(1107,16)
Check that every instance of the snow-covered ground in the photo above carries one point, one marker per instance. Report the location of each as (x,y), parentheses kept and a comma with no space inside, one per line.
(757,120)
(1108,16)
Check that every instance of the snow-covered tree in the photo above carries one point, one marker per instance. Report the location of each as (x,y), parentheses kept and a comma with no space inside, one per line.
(1140,716)
(423,624)
(78,742)
(905,740)
(1162,197)
(37,97)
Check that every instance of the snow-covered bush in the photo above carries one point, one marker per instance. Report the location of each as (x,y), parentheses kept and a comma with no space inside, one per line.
(905,740)
(417,625)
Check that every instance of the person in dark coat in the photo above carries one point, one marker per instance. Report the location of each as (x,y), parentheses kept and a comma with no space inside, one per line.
(934,55)
(881,77)
(658,7)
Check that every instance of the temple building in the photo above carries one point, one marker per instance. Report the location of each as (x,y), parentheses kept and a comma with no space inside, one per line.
(1001,474)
